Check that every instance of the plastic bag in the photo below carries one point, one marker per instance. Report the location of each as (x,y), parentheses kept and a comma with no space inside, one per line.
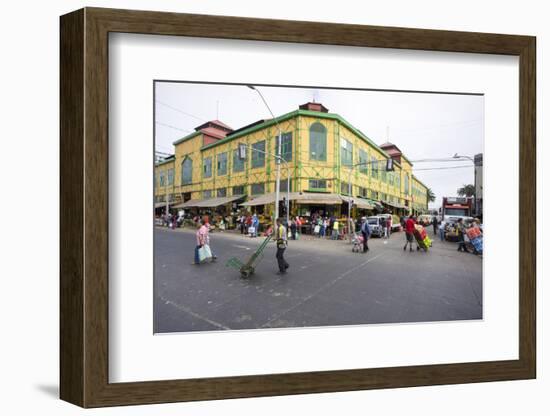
(205,253)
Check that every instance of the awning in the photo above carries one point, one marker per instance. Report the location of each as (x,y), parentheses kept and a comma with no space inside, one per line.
(209,202)
(216,202)
(162,204)
(189,204)
(394,204)
(265,199)
(360,203)
(319,198)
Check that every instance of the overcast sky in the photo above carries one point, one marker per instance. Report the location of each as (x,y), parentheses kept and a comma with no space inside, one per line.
(423,126)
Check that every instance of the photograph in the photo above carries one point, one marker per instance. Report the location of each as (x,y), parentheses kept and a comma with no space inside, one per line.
(302,206)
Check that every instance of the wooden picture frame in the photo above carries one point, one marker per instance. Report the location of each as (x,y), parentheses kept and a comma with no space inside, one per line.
(84,207)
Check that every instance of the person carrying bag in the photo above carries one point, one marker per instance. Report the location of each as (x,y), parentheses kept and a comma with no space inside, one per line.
(281,240)
(202,250)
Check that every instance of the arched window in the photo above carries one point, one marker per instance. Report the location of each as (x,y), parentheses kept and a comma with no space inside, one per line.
(317,142)
(187,171)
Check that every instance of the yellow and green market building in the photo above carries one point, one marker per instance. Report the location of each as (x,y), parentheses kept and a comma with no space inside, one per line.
(206,174)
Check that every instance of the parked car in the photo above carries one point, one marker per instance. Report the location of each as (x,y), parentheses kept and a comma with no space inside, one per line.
(424,219)
(395,225)
(374,224)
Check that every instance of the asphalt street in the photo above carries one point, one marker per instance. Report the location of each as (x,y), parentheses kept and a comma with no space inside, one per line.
(326,284)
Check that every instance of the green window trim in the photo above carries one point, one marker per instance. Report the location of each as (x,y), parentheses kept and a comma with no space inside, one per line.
(238,190)
(222,164)
(257,189)
(346,152)
(363,158)
(318,142)
(207,167)
(317,184)
(374,167)
(257,158)
(238,163)
(187,171)
(286,146)
(170,175)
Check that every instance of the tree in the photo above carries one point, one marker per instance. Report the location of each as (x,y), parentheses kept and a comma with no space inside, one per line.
(466,190)
(431,195)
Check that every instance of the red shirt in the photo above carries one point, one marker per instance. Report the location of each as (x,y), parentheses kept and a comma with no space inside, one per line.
(409,225)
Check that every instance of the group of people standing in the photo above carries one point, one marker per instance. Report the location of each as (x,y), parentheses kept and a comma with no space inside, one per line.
(325,226)
(249,224)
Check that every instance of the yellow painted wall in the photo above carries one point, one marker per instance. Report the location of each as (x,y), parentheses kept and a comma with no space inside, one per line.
(161,191)
(302,167)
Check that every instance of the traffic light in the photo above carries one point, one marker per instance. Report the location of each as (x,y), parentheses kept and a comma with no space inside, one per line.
(282,207)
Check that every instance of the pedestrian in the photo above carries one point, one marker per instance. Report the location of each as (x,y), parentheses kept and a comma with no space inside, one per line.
(293,229)
(255,224)
(335,230)
(299,223)
(200,236)
(323,230)
(460,231)
(365,232)
(442,230)
(389,225)
(383,224)
(409,232)
(281,240)
(249,230)
(435,224)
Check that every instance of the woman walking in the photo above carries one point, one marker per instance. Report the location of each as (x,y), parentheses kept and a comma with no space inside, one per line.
(200,235)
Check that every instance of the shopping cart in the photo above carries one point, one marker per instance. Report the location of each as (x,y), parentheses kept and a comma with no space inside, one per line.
(247,269)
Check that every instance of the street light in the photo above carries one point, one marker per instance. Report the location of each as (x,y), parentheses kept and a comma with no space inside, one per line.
(242,155)
(278,157)
(457,156)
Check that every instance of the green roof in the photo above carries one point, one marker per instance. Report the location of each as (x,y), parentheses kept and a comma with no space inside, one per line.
(164,162)
(252,129)
(284,117)
(403,156)
(184,138)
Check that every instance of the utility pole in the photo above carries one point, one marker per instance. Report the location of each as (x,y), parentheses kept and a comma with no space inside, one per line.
(242,156)
(471,159)
(278,159)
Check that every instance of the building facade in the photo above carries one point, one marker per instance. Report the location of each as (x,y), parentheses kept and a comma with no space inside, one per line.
(320,148)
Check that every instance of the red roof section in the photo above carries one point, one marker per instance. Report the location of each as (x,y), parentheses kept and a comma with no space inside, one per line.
(314,107)
(222,124)
(214,124)
(211,131)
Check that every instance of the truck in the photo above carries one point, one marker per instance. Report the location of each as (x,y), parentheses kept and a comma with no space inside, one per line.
(454,208)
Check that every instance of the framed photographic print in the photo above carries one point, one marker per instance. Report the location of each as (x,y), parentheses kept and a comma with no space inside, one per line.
(255,207)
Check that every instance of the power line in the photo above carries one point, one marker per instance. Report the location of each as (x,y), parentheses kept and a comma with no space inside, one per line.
(400,132)
(179,111)
(172,127)
(445,167)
